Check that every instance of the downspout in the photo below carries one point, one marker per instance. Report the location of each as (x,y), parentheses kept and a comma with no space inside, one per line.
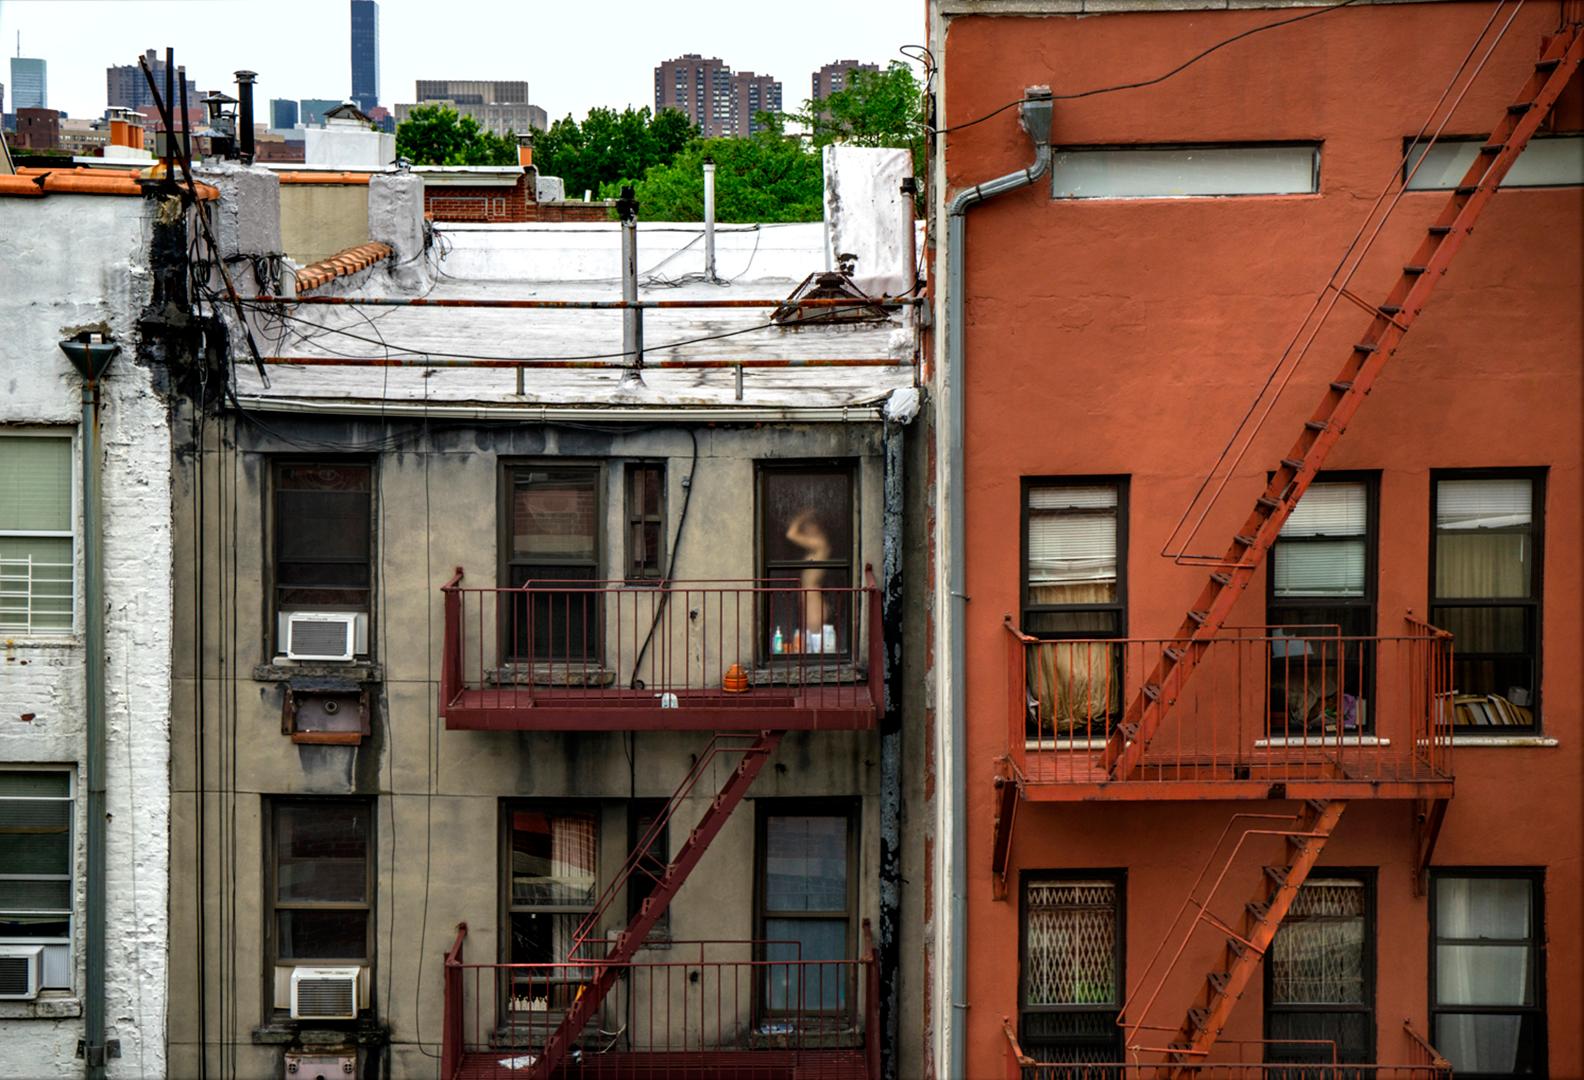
(889,945)
(1035,115)
(92,359)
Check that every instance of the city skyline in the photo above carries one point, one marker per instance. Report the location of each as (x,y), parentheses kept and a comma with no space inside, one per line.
(292,64)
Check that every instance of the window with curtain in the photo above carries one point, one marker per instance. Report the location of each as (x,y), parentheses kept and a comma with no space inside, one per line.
(36,557)
(552,537)
(1486,582)
(36,865)
(551,882)
(807,908)
(1488,993)
(1319,974)
(807,533)
(321,880)
(1322,576)
(1074,591)
(1070,977)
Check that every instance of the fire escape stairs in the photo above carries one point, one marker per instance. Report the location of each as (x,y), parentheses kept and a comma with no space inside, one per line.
(756,751)
(1390,321)
(1246,945)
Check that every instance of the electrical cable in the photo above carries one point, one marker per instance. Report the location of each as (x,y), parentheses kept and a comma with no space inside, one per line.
(1153,81)
(676,546)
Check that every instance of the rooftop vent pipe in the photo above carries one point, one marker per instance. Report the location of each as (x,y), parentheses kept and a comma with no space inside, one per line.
(709,221)
(632,316)
(245,115)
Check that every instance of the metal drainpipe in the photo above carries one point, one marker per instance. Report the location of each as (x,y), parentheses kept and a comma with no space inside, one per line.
(92,360)
(709,220)
(1035,115)
(632,317)
(890,943)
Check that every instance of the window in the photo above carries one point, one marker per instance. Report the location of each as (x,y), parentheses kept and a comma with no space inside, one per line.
(807,902)
(652,862)
(1170,172)
(1548,161)
(321,881)
(552,864)
(1074,550)
(36,866)
(1320,974)
(1485,589)
(1322,575)
(36,534)
(1487,984)
(1070,970)
(552,538)
(323,540)
(645,521)
(807,550)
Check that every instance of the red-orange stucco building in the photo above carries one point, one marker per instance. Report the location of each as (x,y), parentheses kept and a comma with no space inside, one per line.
(1387,818)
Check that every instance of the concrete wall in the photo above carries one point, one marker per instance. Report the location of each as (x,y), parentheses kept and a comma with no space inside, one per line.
(439,793)
(74,261)
(318,220)
(1127,337)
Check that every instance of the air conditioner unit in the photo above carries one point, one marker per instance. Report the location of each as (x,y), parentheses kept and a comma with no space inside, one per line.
(321,635)
(324,993)
(21,971)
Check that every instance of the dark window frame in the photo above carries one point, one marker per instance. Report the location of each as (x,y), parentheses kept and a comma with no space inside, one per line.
(1118,877)
(507,563)
(273,905)
(640,886)
(767,568)
(633,516)
(1120,605)
(1537,475)
(73,793)
(1536,876)
(848,807)
(272,520)
(1369,877)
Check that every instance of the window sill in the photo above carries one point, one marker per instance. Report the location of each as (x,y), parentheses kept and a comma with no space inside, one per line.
(283,670)
(1506,742)
(63,641)
(50,1005)
(1094,743)
(1320,740)
(283,1031)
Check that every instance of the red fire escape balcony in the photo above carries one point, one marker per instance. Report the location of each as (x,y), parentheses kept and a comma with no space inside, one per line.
(1299,712)
(731,1010)
(766,654)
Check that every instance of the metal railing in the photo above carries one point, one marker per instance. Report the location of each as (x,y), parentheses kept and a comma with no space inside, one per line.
(602,644)
(1268,704)
(1420,1061)
(35,597)
(738,1008)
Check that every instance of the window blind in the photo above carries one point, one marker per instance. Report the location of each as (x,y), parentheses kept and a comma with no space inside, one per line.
(1496,503)
(1072,535)
(35,484)
(1321,568)
(1334,509)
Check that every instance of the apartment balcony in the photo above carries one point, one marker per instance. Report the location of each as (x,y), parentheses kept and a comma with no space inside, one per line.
(708,1009)
(585,655)
(1299,712)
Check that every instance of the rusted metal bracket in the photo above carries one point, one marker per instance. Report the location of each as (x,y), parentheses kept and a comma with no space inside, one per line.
(1008,793)
(1428,816)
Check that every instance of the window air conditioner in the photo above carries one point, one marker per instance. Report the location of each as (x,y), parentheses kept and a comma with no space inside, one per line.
(324,993)
(21,971)
(321,635)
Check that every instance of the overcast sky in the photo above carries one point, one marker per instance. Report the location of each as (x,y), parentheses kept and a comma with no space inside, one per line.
(574,55)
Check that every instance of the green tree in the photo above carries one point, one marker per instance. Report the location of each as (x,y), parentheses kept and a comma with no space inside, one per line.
(876,108)
(609,146)
(436,135)
(766,177)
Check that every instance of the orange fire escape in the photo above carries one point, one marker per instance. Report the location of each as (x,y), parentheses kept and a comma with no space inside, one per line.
(682,656)
(1069,740)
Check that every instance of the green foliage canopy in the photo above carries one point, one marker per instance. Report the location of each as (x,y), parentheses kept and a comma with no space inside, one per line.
(766,177)
(436,135)
(608,146)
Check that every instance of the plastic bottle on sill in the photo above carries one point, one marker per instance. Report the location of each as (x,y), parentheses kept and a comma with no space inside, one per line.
(777,643)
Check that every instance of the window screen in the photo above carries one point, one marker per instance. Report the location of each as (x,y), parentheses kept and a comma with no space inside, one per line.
(321,873)
(1071,985)
(323,533)
(36,560)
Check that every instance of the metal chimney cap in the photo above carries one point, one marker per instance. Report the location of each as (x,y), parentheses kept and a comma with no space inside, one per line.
(627,205)
(246,76)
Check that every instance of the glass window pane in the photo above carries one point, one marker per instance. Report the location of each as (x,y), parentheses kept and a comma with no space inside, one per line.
(1070,943)
(806,972)
(1482,975)
(1487,629)
(55,783)
(1157,173)
(554,858)
(322,935)
(1073,623)
(321,852)
(36,583)
(1483,1044)
(1483,907)
(1318,956)
(1352,1032)
(807,516)
(1330,508)
(1320,568)
(1545,162)
(1479,566)
(35,836)
(805,863)
(555,514)
(319,526)
(35,483)
(23,894)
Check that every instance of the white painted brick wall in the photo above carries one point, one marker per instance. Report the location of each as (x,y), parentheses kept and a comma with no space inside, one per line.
(71,260)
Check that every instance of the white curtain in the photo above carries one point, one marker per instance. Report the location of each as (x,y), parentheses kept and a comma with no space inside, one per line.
(1474,970)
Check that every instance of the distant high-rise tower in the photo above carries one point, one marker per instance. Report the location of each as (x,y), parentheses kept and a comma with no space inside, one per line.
(365,53)
(715,98)
(751,95)
(834,76)
(283,114)
(29,83)
(126,87)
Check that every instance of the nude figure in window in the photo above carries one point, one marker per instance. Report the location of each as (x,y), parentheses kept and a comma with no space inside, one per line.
(806,532)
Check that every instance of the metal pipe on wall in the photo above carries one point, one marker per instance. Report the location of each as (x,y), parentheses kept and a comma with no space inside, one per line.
(632,317)
(1035,115)
(889,944)
(709,220)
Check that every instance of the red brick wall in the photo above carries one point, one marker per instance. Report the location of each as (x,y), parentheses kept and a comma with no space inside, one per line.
(505,203)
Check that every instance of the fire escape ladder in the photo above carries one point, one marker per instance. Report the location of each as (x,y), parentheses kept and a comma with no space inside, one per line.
(756,751)
(1246,945)
(1390,321)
